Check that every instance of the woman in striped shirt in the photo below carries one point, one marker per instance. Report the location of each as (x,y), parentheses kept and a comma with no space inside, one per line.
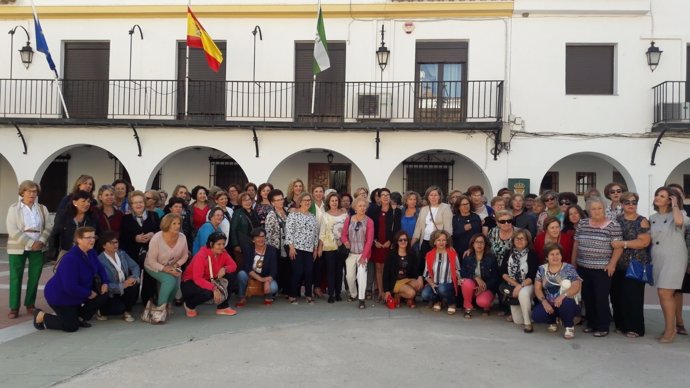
(441,272)
(596,262)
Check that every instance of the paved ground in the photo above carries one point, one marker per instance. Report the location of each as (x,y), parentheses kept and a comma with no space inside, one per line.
(333,345)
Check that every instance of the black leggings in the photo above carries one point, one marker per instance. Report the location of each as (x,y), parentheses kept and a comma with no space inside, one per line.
(66,318)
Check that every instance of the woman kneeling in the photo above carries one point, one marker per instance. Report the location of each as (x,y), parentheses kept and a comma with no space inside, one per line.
(401,271)
(201,280)
(556,286)
(260,266)
(441,272)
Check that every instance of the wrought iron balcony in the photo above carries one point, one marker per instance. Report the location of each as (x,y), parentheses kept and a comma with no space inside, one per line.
(671,106)
(452,104)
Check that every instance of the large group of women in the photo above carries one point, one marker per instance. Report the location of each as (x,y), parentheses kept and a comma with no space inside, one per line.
(532,259)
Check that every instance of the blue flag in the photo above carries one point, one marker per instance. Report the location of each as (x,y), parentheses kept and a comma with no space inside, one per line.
(42,45)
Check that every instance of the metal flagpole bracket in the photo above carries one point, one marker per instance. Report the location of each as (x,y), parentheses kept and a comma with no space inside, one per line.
(21,136)
(256,141)
(136,137)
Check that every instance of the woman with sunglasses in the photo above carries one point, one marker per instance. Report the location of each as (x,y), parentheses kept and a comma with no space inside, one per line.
(358,237)
(550,199)
(401,276)
(613,192)
(565,200)
(479,276)
(497,204)
(302,236)
(627,295)
(501,237)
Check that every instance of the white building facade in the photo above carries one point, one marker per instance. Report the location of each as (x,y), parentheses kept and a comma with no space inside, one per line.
(474,92)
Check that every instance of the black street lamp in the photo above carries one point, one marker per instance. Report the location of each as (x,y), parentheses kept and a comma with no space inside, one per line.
(382,53)
(26,53)
(653,56)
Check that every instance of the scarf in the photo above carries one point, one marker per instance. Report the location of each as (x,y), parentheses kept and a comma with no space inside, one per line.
(517,264)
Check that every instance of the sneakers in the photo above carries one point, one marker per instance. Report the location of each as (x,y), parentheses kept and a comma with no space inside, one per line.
(226,311)
(569,333)
(100,317)
(191,313)
(552,328)
(127,317)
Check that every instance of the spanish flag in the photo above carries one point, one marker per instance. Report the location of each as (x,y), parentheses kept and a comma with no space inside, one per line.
(197,37)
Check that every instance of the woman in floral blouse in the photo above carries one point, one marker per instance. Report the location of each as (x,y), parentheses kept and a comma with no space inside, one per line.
(302,237)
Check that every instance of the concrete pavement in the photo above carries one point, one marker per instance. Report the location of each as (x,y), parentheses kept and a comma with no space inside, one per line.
(337,345)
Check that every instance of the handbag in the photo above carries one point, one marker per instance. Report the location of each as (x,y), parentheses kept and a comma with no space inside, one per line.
(254,288)
(640,272)
(155,315)
(505,294)
(220,284)
(342,253)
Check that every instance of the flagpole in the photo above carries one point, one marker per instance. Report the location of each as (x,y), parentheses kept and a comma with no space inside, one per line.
(186,70)
(57,80)
(313,83)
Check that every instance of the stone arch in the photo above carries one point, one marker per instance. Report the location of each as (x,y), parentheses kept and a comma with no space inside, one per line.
(191,166)
(588,161)
(298,164)
(459,178)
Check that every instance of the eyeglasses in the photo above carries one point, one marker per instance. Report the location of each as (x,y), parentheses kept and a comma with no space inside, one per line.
(549,199)
(519,239)
(358,225)
(618,191)
(634,203)
(114,242)
(565,202)
(402,240)
(89,238)
(505,221)
(481,242)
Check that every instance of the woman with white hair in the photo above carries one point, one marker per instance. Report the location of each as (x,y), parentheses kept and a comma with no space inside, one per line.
(596,263)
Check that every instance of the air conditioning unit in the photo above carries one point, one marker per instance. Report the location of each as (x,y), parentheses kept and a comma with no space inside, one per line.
(675,111)
(374,106)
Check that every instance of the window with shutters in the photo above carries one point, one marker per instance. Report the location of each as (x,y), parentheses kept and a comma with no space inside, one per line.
(589,69)
(207,94)
(585,181)
(441,68)
(329,101)
(85,85)
(428,169)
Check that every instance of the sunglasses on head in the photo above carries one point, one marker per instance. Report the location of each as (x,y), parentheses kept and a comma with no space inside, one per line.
(505,221)
(632,202)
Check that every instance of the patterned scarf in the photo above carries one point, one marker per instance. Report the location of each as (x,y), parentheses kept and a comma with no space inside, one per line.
(517,265)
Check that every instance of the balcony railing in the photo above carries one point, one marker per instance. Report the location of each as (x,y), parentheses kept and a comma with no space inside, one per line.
(671,103)
(446,102)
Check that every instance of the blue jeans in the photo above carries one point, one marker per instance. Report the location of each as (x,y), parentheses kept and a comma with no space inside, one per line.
(445,293)
(243,279)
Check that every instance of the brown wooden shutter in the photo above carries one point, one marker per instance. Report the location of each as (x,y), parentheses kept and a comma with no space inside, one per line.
(589,69)
(441,52)
(329,104)
(87,70)
(207,94)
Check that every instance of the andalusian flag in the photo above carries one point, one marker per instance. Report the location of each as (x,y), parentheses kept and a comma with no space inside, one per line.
(197,37)
(321,60)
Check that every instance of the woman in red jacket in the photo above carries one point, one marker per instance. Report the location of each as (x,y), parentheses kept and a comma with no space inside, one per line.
(441,272)
(197,287)
(553,234)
